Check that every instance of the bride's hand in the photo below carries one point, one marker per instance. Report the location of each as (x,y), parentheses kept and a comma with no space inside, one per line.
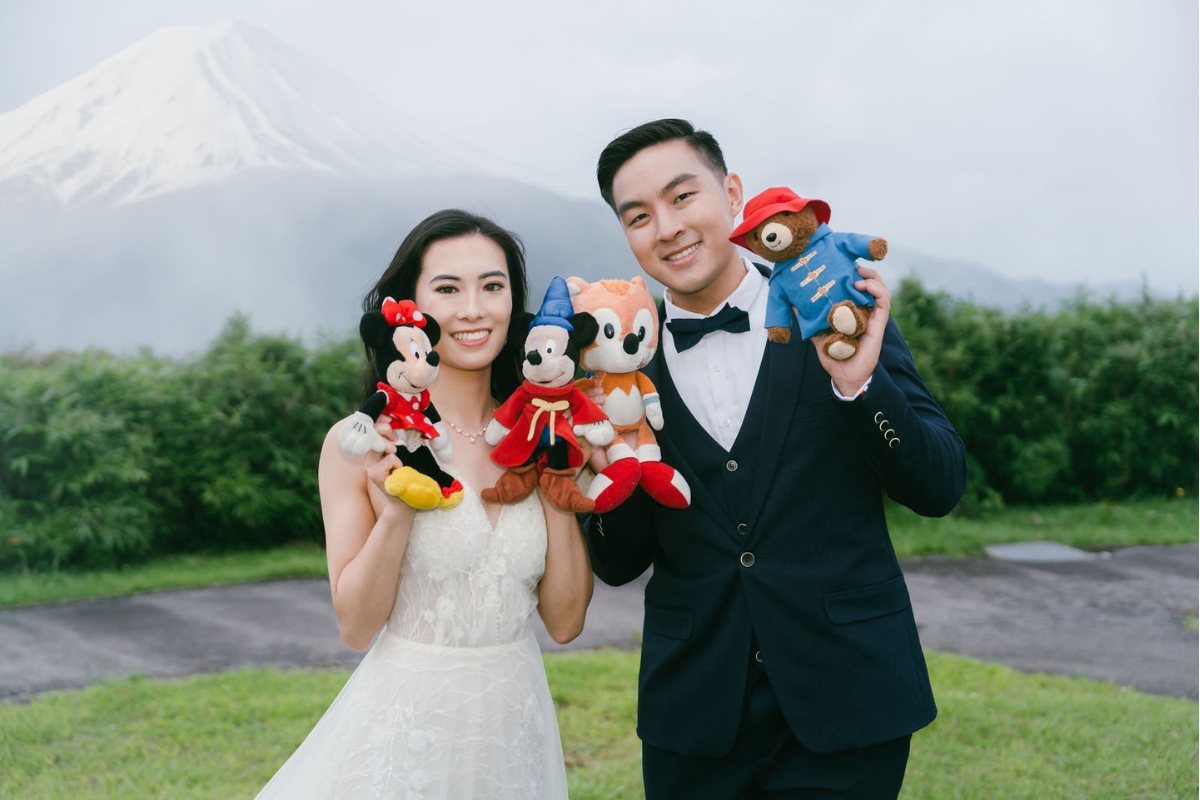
(594,457)
(588,451)
(380,465)
(383,426)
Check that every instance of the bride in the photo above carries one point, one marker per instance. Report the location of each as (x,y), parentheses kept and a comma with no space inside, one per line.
(451,701)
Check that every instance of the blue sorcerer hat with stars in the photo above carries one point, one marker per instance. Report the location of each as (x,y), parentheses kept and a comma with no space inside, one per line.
(556,306)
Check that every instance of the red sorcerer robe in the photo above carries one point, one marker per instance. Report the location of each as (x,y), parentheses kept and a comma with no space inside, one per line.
(529,412)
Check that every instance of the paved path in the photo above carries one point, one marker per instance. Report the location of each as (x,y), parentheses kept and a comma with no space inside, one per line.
(1118,619)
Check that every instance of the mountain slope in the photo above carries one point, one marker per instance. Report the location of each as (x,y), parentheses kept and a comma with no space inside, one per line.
(296,251)
(189,106)
(204,170)
(983,286)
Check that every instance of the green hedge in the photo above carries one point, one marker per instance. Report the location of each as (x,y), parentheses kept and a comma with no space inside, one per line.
(106,460)
(1095,401)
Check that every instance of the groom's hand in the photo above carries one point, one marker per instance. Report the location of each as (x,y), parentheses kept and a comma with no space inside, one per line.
(850,375)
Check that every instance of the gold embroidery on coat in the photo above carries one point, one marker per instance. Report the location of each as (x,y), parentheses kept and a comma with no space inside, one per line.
(822,292)
(813,275)
(803,262)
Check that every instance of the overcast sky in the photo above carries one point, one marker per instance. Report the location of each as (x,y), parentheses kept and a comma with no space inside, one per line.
(1049,138)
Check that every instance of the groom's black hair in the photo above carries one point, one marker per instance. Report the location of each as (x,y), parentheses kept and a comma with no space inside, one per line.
(633,141)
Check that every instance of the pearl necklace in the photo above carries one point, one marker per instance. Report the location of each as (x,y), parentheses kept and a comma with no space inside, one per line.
(470,436)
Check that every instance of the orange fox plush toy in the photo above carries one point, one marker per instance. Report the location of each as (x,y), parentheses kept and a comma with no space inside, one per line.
(626,341)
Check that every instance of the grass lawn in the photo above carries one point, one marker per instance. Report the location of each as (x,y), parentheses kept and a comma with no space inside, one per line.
(171,572)
(1095,525)
(1088,526)
(1000,734)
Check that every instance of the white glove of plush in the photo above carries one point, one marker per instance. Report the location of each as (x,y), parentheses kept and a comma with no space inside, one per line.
(441,444)
(654,414)
(495,432)
(358,435)
(598,433)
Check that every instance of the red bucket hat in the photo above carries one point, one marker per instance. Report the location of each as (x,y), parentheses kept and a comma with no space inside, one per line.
(770,202)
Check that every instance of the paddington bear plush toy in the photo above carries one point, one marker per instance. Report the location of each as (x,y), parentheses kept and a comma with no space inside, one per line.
(534,432)
(402,340)
(814,269)
(626,341)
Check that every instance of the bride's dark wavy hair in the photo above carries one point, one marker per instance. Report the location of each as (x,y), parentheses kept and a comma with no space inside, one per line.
(399,281)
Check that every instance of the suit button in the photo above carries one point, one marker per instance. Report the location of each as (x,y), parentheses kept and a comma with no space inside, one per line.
(758,656)
(742,528)
(747,559)
(731,465)
(894,442)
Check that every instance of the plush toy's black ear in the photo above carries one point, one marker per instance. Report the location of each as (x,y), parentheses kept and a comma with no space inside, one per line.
(586,328)
(432,329)
(374,330)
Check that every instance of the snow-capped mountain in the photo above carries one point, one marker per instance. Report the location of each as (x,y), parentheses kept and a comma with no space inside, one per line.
(207,170)
(193,105)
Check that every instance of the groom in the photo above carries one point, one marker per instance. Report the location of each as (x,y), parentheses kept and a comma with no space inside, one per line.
(779,657)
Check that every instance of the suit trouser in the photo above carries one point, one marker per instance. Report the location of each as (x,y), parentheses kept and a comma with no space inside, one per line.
(768,762)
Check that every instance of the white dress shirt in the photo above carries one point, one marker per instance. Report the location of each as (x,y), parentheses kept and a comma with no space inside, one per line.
(716,376)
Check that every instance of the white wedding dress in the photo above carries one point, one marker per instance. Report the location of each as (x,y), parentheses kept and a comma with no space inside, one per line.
(451,701)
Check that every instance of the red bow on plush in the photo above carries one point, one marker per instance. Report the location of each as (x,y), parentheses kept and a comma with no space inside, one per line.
(402,313)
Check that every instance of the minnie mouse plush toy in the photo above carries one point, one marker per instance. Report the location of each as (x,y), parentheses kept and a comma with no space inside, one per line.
(402,339)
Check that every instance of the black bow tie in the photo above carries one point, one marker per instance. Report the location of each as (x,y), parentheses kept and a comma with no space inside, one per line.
(687,332)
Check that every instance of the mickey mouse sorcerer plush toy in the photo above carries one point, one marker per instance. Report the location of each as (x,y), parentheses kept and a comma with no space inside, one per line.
(534,431)
(401,338)
(814,268)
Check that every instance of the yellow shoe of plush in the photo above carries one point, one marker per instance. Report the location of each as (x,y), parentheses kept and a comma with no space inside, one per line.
(419,491)
(450,502)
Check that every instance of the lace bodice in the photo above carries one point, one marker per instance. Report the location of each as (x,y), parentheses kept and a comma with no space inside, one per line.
(465,584)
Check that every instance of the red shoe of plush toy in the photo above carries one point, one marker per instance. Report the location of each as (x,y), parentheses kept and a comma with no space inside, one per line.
(665,485)
(614,485)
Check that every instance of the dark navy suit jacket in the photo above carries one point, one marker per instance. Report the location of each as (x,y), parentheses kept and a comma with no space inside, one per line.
(785,551)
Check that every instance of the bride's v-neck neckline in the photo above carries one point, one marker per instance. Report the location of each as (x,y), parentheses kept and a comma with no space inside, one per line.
(492,526)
